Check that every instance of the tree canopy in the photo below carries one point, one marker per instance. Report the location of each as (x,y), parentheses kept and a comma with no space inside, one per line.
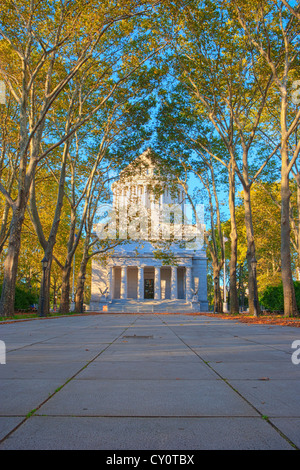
(212,87)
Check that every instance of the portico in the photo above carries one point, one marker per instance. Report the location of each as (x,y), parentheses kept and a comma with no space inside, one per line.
(149,282)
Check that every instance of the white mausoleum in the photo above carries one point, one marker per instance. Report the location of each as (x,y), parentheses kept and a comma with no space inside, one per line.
(159,264)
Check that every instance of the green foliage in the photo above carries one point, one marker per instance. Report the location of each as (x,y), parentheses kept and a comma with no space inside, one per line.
(24,298)
(272,297)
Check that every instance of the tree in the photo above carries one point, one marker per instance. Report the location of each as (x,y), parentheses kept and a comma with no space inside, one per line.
(8,161)
(213,237)
(39,60)
(183,124)
(273,31)
(122,119)
(266,225)
(225,96)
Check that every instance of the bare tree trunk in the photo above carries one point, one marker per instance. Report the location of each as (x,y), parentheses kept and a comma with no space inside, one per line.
(66,271)
(79,296)
(234,301)
(44,298)
(11,262)
(290,306)
(27,169)
(65,289)
(218,259)
(18,207)
(281,76)
(48,245)
(218,304)
(4,233)
(298,221)
(251,260)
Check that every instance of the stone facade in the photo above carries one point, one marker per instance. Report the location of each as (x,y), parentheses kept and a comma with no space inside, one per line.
(156,263)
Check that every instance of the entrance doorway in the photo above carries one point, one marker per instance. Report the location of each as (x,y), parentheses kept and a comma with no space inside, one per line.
(149,289)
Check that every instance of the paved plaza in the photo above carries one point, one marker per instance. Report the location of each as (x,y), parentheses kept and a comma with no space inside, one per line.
(148,382)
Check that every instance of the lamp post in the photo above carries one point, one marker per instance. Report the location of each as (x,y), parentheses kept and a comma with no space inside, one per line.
(82,299)
(44,265)
(255,300)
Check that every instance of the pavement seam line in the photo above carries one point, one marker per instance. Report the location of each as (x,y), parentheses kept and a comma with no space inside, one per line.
(34,410)
(265,418)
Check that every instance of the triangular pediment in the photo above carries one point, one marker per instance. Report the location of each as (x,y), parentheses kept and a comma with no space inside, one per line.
(145,166)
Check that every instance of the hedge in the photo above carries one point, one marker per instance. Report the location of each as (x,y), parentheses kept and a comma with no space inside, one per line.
(272,297)
(24,298)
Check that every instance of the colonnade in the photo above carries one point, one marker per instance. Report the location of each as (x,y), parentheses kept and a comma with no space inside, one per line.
(157,282)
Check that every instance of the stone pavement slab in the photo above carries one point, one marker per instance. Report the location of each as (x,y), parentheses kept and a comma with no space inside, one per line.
(147,398)
(177,434)
(146,370)
(148,381)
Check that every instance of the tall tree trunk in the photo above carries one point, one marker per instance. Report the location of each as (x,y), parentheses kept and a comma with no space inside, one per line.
(65,289)
(290,305)
(79,296)
(281,76)
(251,259)
(234,301)
(7,301)
(298,222)
(218,304)
(66,272)
(27,171)
(11,261)
(48,245)
(4,233)
(44,298)
(295,224)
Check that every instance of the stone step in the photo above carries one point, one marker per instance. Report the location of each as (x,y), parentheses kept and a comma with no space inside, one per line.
(151,306)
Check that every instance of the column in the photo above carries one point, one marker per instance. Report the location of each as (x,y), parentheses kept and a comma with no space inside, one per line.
(188,283)
(110,283)
(123,290)
(154,214)
(122,218)
(140,293)
(157,285)
(144,196)
(174,288)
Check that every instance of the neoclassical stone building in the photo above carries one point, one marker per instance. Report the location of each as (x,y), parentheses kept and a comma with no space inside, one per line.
(160,264)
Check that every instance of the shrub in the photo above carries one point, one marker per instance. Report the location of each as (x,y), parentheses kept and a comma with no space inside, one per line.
(272,297)
(24,298)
